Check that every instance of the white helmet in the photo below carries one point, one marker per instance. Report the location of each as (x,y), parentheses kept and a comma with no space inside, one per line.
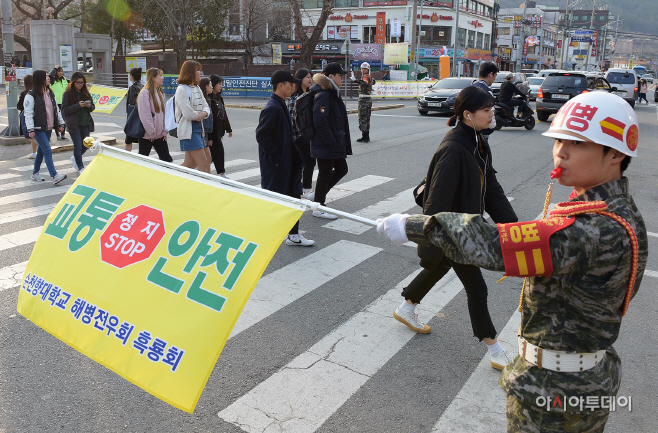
(365,65)
(599,117)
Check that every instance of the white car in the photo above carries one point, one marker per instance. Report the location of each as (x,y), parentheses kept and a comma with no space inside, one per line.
(624,83)
(648,77)
(535,84)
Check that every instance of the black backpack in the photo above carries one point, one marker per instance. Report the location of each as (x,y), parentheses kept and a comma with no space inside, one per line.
(304,114)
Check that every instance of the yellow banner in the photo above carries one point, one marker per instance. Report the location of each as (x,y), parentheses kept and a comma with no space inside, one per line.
(149,282)
(106,98)
(396,54)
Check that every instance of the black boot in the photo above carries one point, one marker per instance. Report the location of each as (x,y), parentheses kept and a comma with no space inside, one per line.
(363,138)
(366,137)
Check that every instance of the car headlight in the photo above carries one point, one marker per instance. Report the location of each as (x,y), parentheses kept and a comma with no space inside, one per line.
(451,98)
(422,99)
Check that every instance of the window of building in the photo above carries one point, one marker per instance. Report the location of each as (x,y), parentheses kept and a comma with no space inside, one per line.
(532,49)
(311,4)
(478,41)
(346,3)
(395,39)
(369,34)
(461,38)
(471,39)
(487,38)
(434,35)
(502,31)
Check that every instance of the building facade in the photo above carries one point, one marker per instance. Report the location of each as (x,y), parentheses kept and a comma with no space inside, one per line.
(578,54)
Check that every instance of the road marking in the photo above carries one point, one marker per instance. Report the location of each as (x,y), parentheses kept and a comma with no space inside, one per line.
(23,214)
(651,273)
(653,234)
(111,125)
(356,185)
(33,195)
(398,203)
(306,392)
(22,237)
(8,176)
(57,164)
(245,174)
(419,116)
(11,276)
(285,285)
(153,151)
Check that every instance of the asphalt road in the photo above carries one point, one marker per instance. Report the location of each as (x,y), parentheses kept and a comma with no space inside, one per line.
(333,359)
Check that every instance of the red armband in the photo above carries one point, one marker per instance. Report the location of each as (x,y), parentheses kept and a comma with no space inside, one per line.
(526,251)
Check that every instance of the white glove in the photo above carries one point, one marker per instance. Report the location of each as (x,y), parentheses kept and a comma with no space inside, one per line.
(492,125)
(352,77)
(394,227)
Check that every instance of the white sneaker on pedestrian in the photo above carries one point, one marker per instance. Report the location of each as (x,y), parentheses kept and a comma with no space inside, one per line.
(412,321)
(299,240)
(223,176)
(32,156)
(500,361)
(81,170)
(311,196)
(75,164)
(58,178)
(307,193)
(324,215)
(37,177)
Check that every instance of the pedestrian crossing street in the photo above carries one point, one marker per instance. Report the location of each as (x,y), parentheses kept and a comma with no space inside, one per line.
(302,394)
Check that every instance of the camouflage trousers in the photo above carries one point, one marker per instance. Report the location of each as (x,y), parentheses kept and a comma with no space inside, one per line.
(525,418)
(365,106)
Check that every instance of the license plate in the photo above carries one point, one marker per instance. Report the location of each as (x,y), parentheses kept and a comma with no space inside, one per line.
(560,96)
(434,104)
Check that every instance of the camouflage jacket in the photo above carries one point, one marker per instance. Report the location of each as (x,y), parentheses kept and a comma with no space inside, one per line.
(577,307)
(365,87)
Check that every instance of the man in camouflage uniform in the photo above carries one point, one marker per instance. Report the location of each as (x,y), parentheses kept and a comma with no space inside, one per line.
(583,273)
(365,101)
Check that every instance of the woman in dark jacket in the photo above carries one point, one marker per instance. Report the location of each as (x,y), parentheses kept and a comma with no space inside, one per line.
(27,82)
(301,143)
(76,109)
(461,179)
(221,124)
(135,78)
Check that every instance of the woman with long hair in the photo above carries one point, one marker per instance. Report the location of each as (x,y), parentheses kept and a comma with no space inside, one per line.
(206,88)
(190,110)
(135,79)
(77,107)
(302,144)
(221,124)
(28,83)
(461,179)
(151,107)
(58,85)
(41,116)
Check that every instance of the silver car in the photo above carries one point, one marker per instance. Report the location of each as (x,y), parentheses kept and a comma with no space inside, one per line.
(535,84)
(648,77)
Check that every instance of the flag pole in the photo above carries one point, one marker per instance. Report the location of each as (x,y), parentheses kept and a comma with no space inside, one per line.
(306,205)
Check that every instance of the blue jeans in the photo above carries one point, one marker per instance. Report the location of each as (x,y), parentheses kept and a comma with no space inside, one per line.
(44,152)
(78,148)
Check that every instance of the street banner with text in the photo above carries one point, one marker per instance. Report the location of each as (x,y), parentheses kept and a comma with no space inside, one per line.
(106,98)
(150,282)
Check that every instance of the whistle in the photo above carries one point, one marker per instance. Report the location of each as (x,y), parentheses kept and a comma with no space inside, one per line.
(556,173)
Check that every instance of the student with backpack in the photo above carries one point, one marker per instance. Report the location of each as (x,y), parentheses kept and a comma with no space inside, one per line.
(135,77)
(77,107)
(190,110)
(27,82)
(41,117)
(206,89)
(221,125)
(302,143)
(151,109)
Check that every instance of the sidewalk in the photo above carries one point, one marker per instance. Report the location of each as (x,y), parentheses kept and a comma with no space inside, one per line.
(351,104)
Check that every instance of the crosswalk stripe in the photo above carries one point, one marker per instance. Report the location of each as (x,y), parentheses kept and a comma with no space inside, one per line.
(285,285)
(398,203)
(356,185)
(57,164)
(305,393)
(11,276)
(32,195)
(22,237)
(479,407)
(8,176)
(20,215)
(245,174)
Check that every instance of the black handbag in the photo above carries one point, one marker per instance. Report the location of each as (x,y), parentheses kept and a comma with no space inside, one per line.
(134,127)
(419,192)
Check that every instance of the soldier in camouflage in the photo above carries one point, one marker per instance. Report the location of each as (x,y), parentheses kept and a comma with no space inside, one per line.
(587,266)
(365,101)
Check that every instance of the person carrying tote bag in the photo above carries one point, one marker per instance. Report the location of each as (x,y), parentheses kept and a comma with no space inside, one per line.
(151,110)
(135,78)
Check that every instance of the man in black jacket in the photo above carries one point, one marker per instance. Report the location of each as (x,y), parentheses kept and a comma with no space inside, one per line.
(280,162)
(331,143)
(507,92)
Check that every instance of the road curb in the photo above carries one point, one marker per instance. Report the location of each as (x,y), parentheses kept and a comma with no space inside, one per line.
(353,111)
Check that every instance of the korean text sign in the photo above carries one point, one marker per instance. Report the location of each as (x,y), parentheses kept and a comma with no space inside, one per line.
(106,98)
(159,279)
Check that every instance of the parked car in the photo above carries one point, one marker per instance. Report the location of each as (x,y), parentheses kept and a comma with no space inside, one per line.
(519,79)
(535,84)
(441,96)
(648,77)
(626,83)
(559,87)
(530,72)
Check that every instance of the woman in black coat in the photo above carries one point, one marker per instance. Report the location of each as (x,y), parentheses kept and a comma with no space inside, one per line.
(135,78)
(221,124)
(461,179)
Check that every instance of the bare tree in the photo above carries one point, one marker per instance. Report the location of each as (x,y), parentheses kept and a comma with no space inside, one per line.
(35,10)
(255,17)
(309,43)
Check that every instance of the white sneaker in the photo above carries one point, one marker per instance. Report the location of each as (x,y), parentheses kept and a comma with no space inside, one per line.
(412,321)
(37,178)
(307,194)
(311,196)
(81,170)
(75,164)
(299,240)
(499,362)
(32,156)
(324,215)
(58,178)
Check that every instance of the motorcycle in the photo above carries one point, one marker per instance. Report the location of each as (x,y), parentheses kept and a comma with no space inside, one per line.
(505,116)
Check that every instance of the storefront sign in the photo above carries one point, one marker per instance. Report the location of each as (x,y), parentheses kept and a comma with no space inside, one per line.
(396,27)
(435,17)
(381,28)
(247,87)
(535,20)
(525,49)
(473,54)
(435,53)
(385,3)
(348,17)
(320,48)
(595,39)
(476,23)
(366,51)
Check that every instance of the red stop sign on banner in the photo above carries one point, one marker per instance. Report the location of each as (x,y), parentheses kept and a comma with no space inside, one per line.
(103,100)
(132,236)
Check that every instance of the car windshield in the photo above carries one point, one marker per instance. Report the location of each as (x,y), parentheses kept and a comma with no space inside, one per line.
(451,83)
(565,81)
(535,81)
(621,78)
(647,76)
(500,78)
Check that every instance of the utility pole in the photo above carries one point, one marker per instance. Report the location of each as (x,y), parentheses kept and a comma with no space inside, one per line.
(420,29)
(519,47)
(565,43)
(454,54)
(591,27)
(413,26)
(13,129)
